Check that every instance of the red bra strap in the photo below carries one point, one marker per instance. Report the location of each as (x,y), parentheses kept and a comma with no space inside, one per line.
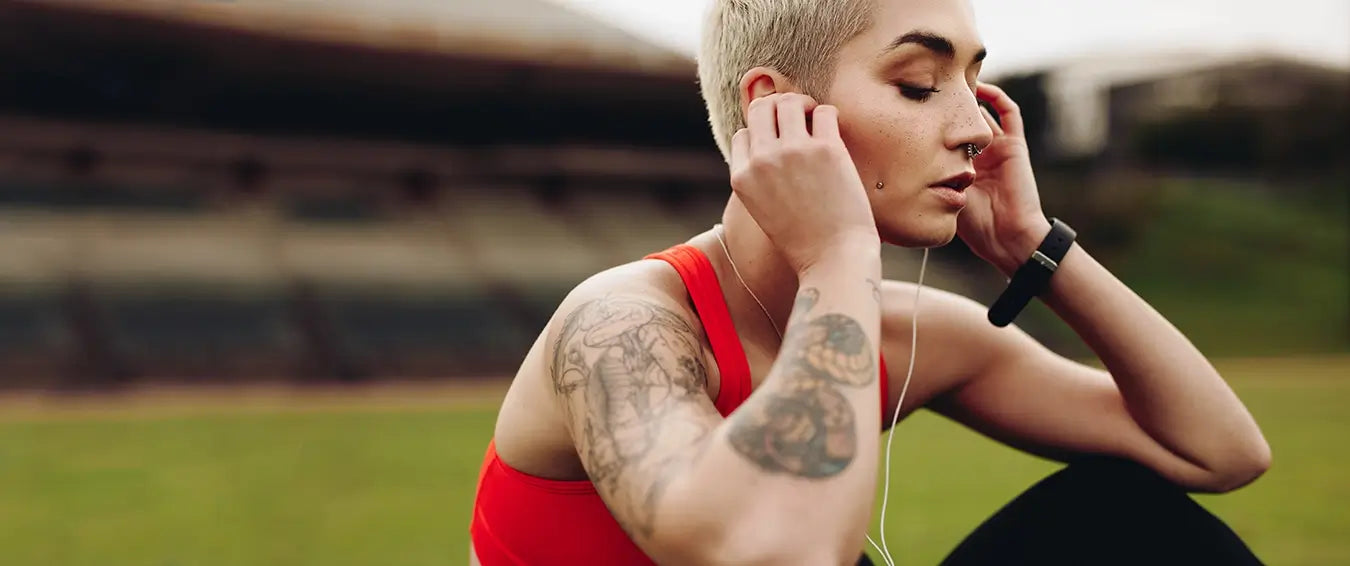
(701,281)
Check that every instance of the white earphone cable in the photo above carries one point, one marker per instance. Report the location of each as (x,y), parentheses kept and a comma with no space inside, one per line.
(884,549)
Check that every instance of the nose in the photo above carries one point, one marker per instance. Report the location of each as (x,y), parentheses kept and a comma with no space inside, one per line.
(968,124)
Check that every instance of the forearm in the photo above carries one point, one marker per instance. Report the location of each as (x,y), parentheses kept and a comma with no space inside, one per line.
(1169,387)
(800,451)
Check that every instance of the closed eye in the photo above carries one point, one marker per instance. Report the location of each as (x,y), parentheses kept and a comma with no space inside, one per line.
(918,94)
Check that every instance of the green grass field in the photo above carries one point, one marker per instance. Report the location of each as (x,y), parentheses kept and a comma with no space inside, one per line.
(391,484)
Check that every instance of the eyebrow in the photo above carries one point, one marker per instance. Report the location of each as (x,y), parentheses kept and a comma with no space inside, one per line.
(933,42)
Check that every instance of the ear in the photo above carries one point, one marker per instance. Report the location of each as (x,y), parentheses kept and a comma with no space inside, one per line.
(760,82)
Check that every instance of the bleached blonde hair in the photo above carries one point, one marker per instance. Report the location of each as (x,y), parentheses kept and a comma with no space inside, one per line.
(798,38)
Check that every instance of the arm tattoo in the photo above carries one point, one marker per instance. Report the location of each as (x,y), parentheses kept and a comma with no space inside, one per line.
(876,290)
(634,383)
(806,300)
(802,425)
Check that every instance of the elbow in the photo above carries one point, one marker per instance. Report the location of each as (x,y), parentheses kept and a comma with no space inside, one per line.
(779,551)
(739,539)
(1253,464)
(764,551)
(714,524)
(1242,467)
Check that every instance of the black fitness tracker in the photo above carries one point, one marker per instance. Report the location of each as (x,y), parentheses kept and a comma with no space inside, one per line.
(1033,278)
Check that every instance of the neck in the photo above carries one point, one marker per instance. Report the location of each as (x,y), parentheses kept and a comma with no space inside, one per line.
(767,275)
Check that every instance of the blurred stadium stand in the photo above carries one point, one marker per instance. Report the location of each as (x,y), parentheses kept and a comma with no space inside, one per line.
(357,190)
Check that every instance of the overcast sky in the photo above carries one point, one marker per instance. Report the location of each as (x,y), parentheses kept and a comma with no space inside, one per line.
(1023,33)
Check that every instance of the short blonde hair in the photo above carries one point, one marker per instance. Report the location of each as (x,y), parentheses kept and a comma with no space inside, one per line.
(798,38)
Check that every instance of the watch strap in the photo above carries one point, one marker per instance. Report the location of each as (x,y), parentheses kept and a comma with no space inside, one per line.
(1033,277)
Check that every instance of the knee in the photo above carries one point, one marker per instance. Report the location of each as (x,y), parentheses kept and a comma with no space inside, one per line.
(1112,483)
(1099,470)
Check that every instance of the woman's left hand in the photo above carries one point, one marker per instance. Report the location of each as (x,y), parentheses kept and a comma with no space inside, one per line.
(1003,222)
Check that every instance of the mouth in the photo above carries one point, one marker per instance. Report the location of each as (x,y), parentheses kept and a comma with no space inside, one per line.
(957,183)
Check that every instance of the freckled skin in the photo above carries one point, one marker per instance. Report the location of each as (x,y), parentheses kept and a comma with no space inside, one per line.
(891,137)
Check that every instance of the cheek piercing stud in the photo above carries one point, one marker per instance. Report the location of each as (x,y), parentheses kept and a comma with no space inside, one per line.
(880,185)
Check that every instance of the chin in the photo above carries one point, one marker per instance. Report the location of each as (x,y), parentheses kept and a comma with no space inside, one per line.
(922,232)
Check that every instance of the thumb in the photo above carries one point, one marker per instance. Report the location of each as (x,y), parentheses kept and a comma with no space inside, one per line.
(740,149)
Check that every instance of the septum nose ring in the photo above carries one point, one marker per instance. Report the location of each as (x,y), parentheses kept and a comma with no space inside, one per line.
(973,151)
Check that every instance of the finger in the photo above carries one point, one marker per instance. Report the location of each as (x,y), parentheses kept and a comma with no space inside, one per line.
(791,117)
(993,124)
(1008,112)
(763,123)
(740,149)
(825,122)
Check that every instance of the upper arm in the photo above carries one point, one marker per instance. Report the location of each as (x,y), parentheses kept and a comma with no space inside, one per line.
(629,372)
(1015,390)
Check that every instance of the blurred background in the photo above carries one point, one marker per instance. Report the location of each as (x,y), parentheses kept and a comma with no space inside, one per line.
(266,265)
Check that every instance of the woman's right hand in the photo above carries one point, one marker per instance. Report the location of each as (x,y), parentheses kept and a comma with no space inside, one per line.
(800,184)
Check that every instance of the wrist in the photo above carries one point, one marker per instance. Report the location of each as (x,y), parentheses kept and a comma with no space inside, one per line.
(1033,278)
(1024,242)
(863,255)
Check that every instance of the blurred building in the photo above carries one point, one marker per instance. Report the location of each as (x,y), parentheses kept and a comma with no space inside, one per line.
(1274,115)
(1128,108)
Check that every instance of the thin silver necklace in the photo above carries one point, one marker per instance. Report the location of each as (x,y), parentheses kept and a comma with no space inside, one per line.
(718,232)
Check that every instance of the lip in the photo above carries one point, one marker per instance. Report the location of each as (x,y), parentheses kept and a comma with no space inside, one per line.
(953,197)
(952,190)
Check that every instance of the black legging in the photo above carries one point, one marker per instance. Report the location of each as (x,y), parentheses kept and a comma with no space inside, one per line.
(1102,512)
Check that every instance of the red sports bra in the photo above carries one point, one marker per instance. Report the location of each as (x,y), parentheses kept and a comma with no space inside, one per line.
(520,520)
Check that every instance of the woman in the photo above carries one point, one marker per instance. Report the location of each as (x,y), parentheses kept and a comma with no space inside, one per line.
(718,403)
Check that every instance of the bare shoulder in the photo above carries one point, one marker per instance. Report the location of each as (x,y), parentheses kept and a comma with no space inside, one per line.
(628,368)
(641,308)
(629,317)
(647,288)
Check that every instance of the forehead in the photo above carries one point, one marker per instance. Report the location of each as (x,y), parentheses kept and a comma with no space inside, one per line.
(952,19)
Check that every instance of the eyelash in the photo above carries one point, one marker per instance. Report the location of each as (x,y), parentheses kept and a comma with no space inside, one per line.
(918,94)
